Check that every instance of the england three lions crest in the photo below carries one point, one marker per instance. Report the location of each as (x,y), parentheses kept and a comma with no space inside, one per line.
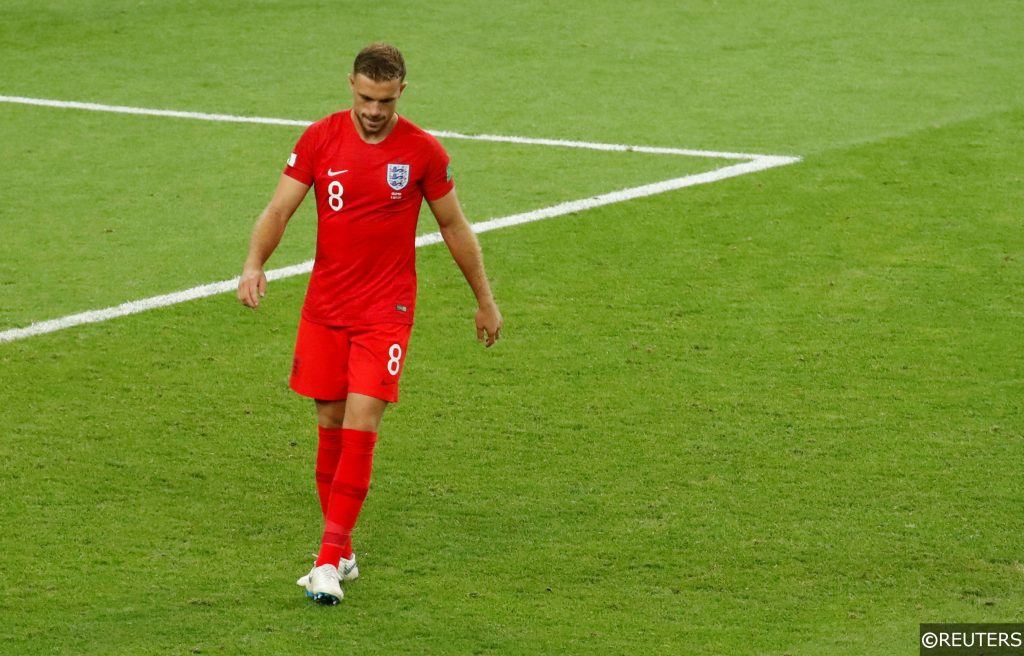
(398,176)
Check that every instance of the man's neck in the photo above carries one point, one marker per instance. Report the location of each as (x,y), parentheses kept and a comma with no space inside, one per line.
(378,136)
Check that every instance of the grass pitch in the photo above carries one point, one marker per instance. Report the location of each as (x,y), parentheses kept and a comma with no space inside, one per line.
(778,414)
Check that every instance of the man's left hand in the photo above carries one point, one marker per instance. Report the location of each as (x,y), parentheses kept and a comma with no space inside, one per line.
(488,323)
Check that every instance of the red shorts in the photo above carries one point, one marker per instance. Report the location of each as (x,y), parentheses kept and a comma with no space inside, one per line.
(331,361)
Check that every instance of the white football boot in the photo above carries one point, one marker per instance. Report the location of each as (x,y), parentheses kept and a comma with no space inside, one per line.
(323,585)
(347,570)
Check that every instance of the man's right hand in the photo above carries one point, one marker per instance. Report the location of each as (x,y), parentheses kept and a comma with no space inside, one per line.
(252,286)
(266,235)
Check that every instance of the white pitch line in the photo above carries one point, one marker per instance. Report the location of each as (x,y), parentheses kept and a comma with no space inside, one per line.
(441,134)
(144,111)
(202,291)
(755,163)
(593,145)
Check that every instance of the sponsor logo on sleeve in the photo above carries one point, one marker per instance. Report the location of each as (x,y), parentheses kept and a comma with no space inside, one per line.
(292,159)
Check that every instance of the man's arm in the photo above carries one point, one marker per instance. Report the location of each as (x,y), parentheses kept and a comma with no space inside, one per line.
(465,250)
(266,235)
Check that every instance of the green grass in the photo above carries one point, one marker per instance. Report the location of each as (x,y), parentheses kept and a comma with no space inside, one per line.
(119,228)
(776,414)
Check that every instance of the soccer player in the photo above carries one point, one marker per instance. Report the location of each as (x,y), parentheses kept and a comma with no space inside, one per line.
(371,170)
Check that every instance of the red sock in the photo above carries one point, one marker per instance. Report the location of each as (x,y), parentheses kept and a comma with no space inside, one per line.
(327,453)
(348,490)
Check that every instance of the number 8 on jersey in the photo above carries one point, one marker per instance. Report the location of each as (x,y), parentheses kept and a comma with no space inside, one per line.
(334,192)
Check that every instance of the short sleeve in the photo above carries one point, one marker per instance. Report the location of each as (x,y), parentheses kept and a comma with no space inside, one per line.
(301,162)
(437,181)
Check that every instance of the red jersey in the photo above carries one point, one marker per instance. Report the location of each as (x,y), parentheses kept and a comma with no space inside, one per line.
(368,199)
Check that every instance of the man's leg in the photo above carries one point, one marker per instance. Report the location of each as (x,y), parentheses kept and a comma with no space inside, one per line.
(320,371)
(352,477)
(330,414)
(363,413)
(329,418)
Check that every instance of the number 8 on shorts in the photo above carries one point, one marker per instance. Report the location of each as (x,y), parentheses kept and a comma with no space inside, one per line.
(394,359)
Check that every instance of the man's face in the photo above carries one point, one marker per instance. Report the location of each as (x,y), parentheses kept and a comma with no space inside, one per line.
(374,102)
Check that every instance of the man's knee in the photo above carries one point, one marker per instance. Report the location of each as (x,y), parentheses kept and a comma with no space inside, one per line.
(363,413)
(330,414)
(362,421)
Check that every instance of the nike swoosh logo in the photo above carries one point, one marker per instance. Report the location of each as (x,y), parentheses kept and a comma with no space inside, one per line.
(331,172)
